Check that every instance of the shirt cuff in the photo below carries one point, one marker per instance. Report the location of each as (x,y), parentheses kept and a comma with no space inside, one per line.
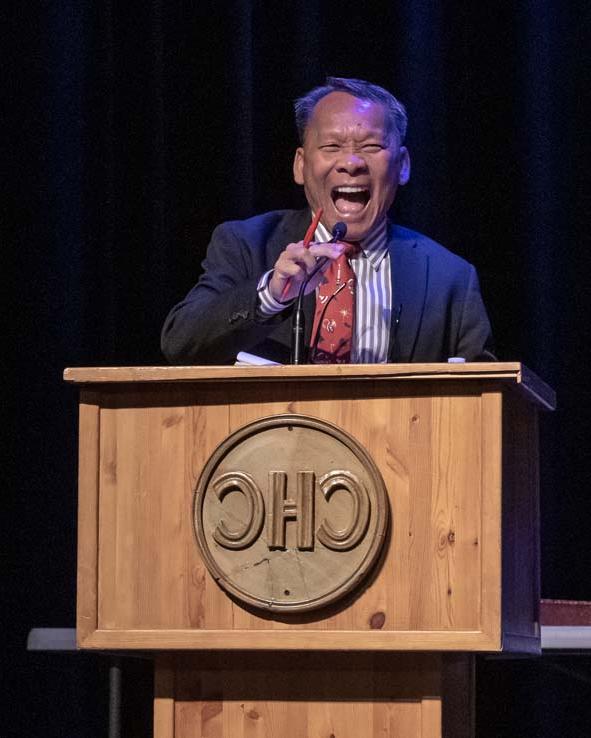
(268,305)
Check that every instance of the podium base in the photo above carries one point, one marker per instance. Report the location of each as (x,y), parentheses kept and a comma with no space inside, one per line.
(313,695)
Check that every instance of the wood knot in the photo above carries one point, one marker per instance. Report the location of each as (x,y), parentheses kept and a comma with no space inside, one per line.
(211,710)
(377,620)
(446,539)
(253,714)
(111,471)
(171,420)
(414,419)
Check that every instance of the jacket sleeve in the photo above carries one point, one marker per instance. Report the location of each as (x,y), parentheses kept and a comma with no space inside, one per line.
(219,315)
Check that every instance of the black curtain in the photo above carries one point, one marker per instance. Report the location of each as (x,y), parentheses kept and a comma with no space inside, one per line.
(135,127)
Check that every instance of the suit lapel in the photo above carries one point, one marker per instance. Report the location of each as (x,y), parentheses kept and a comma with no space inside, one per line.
(410,278)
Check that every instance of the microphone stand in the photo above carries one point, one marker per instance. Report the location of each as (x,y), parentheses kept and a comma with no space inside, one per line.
(298,320)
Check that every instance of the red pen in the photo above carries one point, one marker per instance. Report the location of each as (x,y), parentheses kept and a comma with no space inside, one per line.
(307,241)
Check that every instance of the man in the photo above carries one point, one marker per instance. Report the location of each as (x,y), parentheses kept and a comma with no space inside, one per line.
(413,299)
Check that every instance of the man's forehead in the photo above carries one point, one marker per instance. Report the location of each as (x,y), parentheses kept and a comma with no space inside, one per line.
(336,103)
(338,107)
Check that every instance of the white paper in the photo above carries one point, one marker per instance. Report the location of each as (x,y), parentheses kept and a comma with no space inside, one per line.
(246,359)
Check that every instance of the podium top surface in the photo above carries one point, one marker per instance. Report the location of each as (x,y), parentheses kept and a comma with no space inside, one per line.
(512,373)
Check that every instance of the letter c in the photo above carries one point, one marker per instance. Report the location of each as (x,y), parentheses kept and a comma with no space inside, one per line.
(343,540)
(245,535)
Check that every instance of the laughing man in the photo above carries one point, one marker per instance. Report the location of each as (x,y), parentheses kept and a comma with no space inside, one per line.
(414,301)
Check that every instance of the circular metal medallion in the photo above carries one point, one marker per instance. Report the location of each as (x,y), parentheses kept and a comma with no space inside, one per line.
(290,513)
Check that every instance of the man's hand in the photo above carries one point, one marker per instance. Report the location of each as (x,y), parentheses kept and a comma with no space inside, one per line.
(295,264)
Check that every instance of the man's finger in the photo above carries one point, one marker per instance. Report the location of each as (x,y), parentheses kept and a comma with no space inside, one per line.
(296,263)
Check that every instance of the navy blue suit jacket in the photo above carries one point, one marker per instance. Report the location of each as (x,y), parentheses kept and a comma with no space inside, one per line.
(435,293)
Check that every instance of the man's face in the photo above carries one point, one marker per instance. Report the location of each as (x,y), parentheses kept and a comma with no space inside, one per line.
(349,165)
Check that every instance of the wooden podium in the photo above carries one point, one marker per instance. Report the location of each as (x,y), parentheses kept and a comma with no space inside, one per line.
(456,446)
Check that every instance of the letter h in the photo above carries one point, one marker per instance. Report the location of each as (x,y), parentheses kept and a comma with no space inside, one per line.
(283,508)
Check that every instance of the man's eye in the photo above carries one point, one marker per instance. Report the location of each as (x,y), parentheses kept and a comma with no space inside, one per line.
(329,147)
(371,148)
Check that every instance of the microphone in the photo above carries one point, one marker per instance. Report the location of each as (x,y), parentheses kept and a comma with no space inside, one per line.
(338,233)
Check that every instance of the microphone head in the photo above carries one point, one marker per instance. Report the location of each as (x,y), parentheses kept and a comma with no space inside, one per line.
(339,231)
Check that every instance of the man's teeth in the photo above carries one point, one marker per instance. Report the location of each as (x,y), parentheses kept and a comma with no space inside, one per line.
(347,190)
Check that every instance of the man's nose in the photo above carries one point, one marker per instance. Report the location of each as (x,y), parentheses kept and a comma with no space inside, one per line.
(351,162)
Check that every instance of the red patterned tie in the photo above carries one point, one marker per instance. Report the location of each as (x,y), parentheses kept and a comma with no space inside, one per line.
(334,319)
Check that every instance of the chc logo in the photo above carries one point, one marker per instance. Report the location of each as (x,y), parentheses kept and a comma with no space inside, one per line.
(299,509)
(290,513)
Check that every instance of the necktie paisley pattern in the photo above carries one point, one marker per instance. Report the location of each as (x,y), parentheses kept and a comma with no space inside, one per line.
(334,319)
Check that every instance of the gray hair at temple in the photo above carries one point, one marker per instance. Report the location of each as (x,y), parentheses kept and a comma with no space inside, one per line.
(395,110)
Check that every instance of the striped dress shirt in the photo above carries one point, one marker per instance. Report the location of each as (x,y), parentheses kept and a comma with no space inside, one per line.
(373,300)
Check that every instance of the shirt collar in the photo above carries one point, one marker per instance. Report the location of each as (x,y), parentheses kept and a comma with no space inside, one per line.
(374,246)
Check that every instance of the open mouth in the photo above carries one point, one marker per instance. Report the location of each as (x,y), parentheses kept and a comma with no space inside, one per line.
(350,200)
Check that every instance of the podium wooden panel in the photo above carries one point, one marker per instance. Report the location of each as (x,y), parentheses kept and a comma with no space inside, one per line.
(456,446)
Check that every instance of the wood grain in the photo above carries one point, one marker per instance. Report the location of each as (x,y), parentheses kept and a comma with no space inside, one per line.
(135,374)
(306,695)
(490,541)
(294,638)
(437,444)
(88,507)
(164,697)
(515,374)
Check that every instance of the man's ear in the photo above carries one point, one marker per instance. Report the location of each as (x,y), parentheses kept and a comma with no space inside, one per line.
(298,166)
(404,166)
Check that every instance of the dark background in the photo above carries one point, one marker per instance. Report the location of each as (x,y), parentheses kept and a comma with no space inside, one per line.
(135,127)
